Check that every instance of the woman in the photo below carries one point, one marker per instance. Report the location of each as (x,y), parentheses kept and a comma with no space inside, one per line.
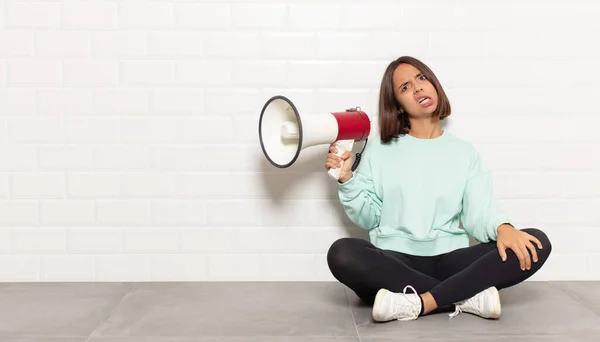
(420,192)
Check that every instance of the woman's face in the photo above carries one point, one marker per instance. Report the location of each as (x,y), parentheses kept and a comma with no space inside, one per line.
(414,91)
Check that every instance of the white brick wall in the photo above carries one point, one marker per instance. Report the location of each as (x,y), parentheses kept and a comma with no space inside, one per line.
(128,129)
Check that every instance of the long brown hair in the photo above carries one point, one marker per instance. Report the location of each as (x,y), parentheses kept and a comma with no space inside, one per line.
(392,122)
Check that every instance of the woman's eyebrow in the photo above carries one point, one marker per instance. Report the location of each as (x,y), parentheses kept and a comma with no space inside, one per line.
(417,75)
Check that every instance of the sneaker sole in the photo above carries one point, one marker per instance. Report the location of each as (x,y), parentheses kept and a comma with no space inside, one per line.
(377,305)
(497,309)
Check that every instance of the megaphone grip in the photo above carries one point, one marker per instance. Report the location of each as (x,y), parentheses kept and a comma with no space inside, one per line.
(342,146)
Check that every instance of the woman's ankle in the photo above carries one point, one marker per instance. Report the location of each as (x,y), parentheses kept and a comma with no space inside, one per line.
(428,303)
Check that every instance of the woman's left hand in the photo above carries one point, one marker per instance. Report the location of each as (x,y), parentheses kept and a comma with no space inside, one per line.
(519,242)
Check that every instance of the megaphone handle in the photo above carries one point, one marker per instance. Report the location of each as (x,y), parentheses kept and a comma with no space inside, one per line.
(342,146)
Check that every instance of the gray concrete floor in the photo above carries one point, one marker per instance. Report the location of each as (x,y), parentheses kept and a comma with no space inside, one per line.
(269,312)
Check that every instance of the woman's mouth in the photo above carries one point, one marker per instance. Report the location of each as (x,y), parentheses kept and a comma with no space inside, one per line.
(425,101)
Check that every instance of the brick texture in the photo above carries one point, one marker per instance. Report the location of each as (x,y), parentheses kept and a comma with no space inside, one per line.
(128,129)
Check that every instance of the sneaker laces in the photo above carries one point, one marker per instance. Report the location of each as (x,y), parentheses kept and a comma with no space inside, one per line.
(468,304)
(409,306)
(456,312)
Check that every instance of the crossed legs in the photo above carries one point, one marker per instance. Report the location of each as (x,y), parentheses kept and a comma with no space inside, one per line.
(441,281)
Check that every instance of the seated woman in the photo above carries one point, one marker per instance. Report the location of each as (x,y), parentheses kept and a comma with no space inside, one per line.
(420,192)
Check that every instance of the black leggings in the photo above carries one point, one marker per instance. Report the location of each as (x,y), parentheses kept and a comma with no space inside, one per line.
(449,277)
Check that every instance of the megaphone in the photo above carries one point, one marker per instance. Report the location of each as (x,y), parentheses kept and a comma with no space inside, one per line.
(283,133)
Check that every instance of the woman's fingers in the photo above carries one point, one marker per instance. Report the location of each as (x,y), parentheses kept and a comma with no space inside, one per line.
(531,248)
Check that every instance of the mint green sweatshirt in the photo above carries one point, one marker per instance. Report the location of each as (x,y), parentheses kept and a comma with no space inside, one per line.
(422,196)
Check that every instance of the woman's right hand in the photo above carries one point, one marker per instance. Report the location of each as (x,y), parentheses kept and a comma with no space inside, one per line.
(333,162)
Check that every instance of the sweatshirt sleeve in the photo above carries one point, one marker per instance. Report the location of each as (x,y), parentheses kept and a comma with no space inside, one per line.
(481,214)
(359,197)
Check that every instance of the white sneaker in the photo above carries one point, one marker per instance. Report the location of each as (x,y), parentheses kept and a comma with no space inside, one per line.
(396,306)
(485,304)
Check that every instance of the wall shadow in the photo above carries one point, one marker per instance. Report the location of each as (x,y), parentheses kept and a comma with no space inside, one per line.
(279,183)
